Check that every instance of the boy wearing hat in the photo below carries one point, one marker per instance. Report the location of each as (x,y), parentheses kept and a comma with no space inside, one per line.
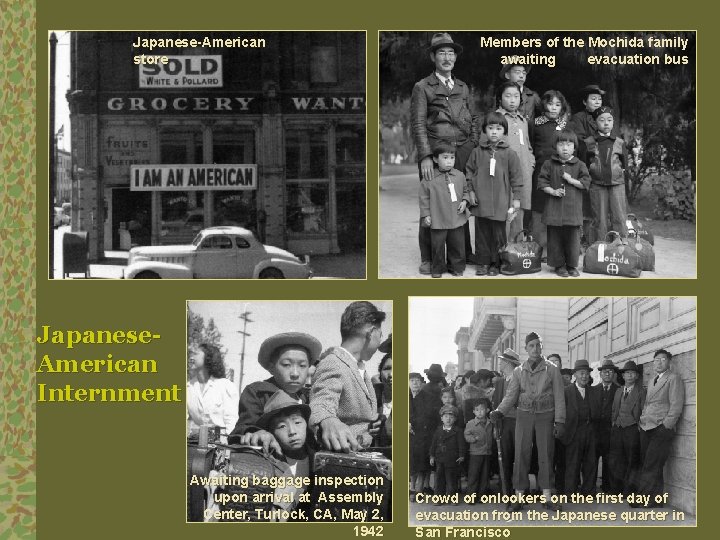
(342,398)
(658,422)
(447,451)
(288,357)
(509,360)
(624,435)
(530,102)
(440,110)
(579,437)
(287,420)
(478,434)
(604,395)
(536,389)
(606,158)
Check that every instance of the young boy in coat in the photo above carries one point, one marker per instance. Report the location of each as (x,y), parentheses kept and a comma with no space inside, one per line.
(563,178)
(478,434)
(447,452)
(607,160)
(495,174)
(443,202)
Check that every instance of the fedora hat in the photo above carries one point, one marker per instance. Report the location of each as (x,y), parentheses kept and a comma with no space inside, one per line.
(630,366)
(415,375)
(278,403)
(506,68)
(443,39)
(581,364)
(510,356)
(271,344)
(608,364)
(435,370)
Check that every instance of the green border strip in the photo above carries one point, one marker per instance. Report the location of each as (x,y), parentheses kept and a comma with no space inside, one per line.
(17,268)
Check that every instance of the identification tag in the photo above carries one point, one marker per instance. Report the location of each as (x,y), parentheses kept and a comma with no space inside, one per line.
(453,195)
(492,166)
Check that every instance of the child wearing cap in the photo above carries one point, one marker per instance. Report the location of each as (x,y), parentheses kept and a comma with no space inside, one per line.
(606,158)
(563,178)
(447,451)
(478,433)
(495,174)
(287,357)
(287,421)
(443,203)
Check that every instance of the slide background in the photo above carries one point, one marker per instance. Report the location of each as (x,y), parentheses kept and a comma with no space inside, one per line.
(118,470)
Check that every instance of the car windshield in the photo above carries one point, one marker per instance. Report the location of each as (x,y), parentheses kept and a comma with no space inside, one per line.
(197,239)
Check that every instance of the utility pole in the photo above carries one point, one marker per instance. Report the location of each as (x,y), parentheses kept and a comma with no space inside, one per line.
(245,317)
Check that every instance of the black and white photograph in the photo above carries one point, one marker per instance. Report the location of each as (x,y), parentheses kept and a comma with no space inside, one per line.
(289,411)
(554,154)
(207,155)
(557,411)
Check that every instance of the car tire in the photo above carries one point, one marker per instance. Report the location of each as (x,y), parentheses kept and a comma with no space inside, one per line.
(271,273)
(147,275)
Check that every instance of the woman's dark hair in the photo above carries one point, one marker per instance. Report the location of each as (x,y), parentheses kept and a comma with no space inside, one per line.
(504,86)
(384,360)
(213,360)
(495,118)
(556,94)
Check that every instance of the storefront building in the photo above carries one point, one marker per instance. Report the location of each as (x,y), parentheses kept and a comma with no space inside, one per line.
(265,131)
(622,329)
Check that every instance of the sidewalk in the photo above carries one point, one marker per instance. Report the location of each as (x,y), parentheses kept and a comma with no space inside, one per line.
(400,258)
(345,266)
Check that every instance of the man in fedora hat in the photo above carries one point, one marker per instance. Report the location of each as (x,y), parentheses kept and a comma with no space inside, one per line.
(579,437)
(508,361)
(530,102)
(288,357)
(658,422)
(536,389)
(624,435)
(342,398)
(567,375)
(604,395)
(440,110)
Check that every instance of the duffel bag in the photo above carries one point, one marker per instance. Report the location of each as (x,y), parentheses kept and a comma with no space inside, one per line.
(644,250)
(635,227)
(520,257)
(613,257)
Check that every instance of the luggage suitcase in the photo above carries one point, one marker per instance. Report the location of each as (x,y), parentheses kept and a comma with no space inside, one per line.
(199,463)
(352,487)
(250,462)
(644,250)
(614,258)
(520,257)
(635,226)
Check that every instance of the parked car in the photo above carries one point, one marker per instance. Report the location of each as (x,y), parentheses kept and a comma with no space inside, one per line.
(216,253)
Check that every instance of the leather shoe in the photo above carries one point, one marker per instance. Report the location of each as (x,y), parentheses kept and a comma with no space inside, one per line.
(552,507)
(514,507)
(455,273)
(493,270)
(562,271)
(573,271)
(437,275)
(425,268)
(481,270)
